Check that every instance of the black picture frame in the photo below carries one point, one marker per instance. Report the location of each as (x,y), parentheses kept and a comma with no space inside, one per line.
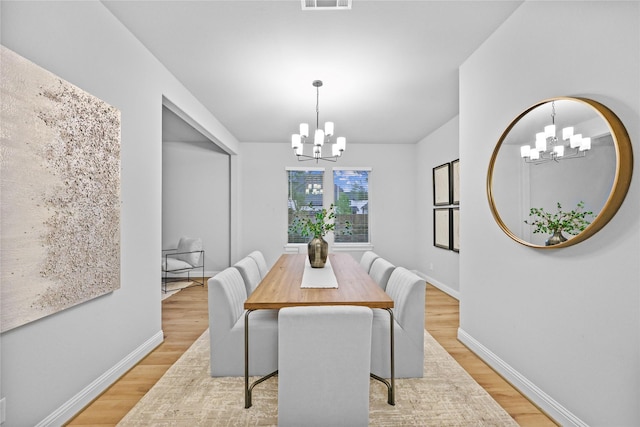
(442,236)
(442,185)
(455,182)
(455,229)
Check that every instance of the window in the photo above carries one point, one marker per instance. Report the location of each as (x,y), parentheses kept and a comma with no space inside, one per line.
(305,197)
(351,198)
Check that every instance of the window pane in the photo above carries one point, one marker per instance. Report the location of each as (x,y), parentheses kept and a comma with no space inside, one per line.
(351,195)
(305,187)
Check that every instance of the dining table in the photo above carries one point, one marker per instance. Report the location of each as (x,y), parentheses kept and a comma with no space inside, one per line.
(291,282)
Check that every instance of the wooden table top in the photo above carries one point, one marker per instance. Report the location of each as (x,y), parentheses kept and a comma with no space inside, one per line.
(281,286)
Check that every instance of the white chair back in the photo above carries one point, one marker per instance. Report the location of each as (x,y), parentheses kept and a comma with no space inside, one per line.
(407,291)
(380,272)
(262,263)
(323,366)
(367,259)
(227,294)
(250,273)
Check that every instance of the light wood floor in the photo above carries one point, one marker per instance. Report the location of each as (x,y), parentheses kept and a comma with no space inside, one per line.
(184,319)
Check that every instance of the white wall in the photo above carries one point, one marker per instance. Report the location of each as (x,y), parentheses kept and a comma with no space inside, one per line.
(392,188)
(195,199)
(440,266)
(52,367)
(568,330)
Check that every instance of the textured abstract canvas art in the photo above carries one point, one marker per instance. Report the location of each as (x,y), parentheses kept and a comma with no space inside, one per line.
(59,193)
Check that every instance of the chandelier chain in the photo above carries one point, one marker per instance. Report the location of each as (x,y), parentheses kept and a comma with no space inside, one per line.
(317,106)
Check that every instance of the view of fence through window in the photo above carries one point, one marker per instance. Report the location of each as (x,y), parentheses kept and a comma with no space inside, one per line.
(305,187)
(351,197)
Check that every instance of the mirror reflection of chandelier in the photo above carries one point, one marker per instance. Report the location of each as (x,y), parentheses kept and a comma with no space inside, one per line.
(320,137)
(548,148)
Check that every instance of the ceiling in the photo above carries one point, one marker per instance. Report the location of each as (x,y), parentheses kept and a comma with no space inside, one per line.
(390,68)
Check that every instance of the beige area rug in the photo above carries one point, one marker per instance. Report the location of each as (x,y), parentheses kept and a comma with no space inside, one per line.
(173,288)
(187,396)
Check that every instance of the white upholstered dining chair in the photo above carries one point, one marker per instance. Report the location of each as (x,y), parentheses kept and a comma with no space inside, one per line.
(258,257)
(323,372)
(250,273)
(380,272)
(367,259)
(227,294)
(407,291)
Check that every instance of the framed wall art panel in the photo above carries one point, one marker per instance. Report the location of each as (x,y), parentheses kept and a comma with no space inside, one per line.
(59,193)
(442,185)
(442,228)
(455,229)
(455,182)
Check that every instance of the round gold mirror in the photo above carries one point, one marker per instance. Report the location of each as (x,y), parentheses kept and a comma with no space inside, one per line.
(559,172)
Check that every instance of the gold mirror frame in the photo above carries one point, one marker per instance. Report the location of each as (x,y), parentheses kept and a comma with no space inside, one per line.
(621,182)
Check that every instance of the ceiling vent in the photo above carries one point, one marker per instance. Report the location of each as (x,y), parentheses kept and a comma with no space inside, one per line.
(326,4)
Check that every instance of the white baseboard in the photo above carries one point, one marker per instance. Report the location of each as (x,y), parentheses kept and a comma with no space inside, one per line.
(444,288)
(550,406)
(74,405)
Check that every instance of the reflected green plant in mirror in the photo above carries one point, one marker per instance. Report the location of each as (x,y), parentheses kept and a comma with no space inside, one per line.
(572,222)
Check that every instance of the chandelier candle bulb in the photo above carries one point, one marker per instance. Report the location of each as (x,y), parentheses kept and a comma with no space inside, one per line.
(525,151)
(541,141)
(534,155)
(342,143)
(318,140)
(550,131)
(585,144)
(304,130)
(328,128)
(575,140)
(567,133)
(559,150)
(295,141)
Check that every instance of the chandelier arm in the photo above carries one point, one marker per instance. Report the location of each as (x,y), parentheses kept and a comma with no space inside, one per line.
(304,158)
(576,155)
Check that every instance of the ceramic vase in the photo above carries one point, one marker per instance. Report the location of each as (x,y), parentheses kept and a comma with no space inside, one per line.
(318,250)
(556,238)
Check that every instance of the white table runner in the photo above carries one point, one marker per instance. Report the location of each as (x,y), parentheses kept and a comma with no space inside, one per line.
(318,277)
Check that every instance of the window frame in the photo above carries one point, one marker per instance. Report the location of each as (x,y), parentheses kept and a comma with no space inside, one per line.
(327,199)
(355,246)
(289,246)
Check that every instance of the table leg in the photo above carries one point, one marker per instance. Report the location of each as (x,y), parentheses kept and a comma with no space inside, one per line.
(391,385)
(247,391)
(249,388)
(392,390)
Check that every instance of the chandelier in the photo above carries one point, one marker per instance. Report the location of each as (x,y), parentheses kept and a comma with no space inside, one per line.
(320,137)
(548,147)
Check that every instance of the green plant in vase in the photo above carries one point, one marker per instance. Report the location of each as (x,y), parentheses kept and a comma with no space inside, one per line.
(572,222)
(317,226)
